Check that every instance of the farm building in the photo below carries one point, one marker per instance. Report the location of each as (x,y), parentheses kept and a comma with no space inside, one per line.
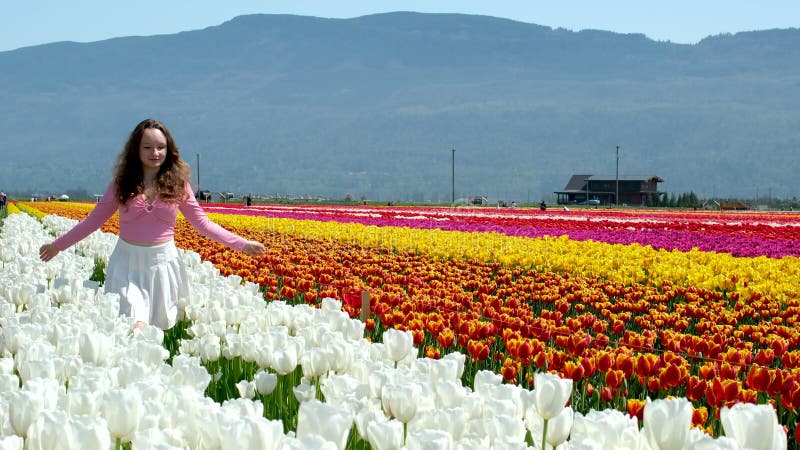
(602,189)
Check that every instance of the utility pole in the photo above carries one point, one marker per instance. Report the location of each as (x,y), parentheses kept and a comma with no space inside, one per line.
(587,190)
(616,196)
(453,178)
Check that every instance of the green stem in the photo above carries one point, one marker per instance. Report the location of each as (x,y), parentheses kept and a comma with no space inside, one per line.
(544,433)
(118,444)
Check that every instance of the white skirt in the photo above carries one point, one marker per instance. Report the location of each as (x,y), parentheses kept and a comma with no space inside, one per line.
(150,280)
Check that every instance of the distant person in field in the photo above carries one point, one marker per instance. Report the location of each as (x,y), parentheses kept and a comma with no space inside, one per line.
(2,200)
(150,185)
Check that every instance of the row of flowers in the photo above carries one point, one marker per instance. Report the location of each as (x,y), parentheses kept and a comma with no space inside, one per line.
(740,234)
(626,264)
(620,343)
(73,375)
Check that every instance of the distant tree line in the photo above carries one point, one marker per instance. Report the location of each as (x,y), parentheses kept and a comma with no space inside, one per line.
(684,200)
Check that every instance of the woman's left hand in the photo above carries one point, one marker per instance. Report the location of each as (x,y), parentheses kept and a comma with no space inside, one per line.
(254,248)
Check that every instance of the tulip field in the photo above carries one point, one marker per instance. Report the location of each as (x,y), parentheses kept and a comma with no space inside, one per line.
(414,327)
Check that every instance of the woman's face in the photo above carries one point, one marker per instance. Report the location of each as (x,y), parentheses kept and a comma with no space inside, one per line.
(152,150)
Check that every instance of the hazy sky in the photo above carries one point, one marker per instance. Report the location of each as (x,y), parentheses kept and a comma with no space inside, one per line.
(32,22)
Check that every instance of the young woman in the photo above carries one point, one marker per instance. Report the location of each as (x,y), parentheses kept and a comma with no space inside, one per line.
(151,184)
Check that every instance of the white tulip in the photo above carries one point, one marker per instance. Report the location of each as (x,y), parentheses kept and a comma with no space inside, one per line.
(310,442)
(131,371)
(700,440)
(94,347)
(6,365)
(429,440)
(505,428)
(265,382)
(551,394)
(388,435)
(24,407)
(11,443)
(79,402)
(89,432)
(397,344)
(400,401)
(317,418)
(149,353)
(50,430)
(316,362)
(210,347)
(377,380)
(285,360)
(253,433)
(753,426)
(610,428)
(667,422)
(450,394)
(242,407)
(337,387)
(247,389)
(558,429)
(485,378)
(121,410)
(8,382)
(305,391)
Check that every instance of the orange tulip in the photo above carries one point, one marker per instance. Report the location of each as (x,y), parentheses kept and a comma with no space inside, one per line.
(635,408)
(699,416)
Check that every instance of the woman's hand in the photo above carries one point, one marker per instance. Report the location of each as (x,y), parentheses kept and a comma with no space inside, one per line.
(254,248)
(48,252)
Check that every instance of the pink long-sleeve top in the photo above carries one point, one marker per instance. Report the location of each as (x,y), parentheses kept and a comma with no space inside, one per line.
(152,224)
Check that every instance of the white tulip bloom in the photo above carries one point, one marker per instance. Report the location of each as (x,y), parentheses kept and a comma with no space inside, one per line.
(365,417)
(699,440)
(387,435)
(9,383)
(667,422)
(337,387)
(26,404)
(505,428)
(210,347)
(558,429)
(551,394)
(305,392)
(84,402)
(397,344)
(265,382)
(247,389)
(610,428)
(11,443)
(429,440)
(484,378)
(317,418)
(88,432)
(242,407)
(449,394)
(95,347)
(285,360)
(316,361)
(310,442)
(121,409)
(400,401)
(49,430)
(753,426)
(252,433)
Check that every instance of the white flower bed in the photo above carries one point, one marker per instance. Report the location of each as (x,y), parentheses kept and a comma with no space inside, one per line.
(73,375)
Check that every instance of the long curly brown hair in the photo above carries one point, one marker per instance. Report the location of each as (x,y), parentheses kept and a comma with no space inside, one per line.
(129,176)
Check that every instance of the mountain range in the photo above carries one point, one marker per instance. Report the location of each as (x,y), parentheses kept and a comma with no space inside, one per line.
(410,107)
